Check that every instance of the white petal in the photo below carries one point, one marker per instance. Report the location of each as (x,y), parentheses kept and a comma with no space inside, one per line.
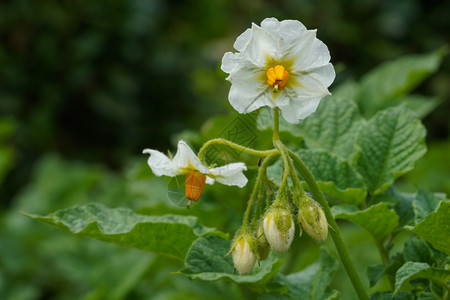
(186,159)
(290,29)
(261,46)
(313,83)
(161,164)
(210,180)
(230,174)
(242,40)
(299,109)
(310,52)
(229,62)
(248,90)
(271,26)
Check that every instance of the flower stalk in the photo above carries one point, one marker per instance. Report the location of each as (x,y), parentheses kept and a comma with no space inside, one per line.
(335,233)
(291,160)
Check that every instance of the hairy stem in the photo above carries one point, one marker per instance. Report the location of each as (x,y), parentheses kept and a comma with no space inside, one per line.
(335,233)
(261,176)
(263,153)
(276,124)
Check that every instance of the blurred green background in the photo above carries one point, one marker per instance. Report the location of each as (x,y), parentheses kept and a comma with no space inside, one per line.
(86,85)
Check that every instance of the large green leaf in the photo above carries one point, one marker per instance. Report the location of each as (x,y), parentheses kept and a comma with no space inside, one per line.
(395,79)
(378,219)
(311,283)
(391,142)
(168,235)
(413,270)
(435,228)
(205,260)
(333,127)
(335,176)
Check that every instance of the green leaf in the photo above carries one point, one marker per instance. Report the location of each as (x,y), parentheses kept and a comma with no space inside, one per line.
(421,105)
(404,206)
(413,270)
(168,235)
(335,176)
(378,219)
(425,203)
(205,261)
(391,142)
(311,283)
(374,273)
(417,250)
(389,296)
(395,79)
(435,228)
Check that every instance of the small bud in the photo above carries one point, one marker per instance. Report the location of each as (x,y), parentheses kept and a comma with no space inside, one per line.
(312,219)
(279,228)
(263,245)
(243,251)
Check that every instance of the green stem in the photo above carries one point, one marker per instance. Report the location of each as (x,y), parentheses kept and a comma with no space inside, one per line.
(261,176)
(288,161)
(276,124)
(335,233)
(201,153)
(385,259)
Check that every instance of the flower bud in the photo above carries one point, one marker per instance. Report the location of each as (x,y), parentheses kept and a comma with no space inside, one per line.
(263,245)
(243,257)
(312,219)
(279,228)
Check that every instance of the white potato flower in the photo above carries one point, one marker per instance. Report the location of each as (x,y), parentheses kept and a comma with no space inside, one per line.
(185,162)
(280,64)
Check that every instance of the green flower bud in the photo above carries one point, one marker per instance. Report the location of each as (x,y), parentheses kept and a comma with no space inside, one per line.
(263,245)
(312,219)
(279,228)
(243,252)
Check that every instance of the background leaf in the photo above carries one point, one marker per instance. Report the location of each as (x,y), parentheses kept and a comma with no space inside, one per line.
(394,79)
(425,203)
(310,283)
(435,228)
(378,219)
(412,270)
(335,176)
(205,260)
(168,235)
(391,142)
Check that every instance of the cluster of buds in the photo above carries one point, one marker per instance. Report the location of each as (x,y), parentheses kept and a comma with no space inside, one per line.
(276,230)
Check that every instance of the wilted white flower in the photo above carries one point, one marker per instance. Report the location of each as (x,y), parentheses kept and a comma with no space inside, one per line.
(279,229)
(185,162)
(243,257)
(280,64)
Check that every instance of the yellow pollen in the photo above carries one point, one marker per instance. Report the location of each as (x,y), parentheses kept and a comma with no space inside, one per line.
(277,78)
